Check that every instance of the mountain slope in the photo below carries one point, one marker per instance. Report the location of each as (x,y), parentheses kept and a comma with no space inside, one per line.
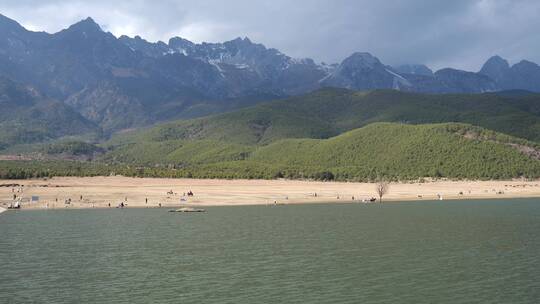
(402,151)
(121,83)
(363,71)
(29,117)
(329,112)
(396,151)
(524,75)
(337,131)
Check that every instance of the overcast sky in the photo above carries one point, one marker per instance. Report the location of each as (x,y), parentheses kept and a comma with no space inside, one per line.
(439,33)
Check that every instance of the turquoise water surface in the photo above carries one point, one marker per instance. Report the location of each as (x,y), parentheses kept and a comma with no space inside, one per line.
(416,252)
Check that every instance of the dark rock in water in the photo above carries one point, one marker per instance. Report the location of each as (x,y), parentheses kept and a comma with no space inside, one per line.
(187,209)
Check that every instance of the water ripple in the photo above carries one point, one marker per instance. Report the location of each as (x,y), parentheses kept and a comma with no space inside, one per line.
(451,252)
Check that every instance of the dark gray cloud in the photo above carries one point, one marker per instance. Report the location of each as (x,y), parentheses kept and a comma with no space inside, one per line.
(457,33)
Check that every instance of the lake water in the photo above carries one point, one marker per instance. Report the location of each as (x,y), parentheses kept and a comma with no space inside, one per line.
(417,252)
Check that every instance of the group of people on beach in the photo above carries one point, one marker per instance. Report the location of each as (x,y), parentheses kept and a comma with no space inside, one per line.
(189,193)
(124,203)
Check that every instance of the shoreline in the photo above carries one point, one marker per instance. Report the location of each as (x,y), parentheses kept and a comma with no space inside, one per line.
(171,207)
(99,192)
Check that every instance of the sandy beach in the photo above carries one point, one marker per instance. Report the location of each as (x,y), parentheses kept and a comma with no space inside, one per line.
(109,192)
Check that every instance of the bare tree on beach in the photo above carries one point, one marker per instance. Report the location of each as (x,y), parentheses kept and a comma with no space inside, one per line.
(382,188)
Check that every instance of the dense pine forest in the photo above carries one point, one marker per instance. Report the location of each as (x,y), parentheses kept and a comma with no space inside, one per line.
(331,134)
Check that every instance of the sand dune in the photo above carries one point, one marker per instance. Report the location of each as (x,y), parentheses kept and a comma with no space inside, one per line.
(99,192)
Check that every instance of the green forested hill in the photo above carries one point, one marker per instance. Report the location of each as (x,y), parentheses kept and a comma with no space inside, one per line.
(337,134)
(403,152)
(338,131)
(177,152)
(330,112)
(399,151)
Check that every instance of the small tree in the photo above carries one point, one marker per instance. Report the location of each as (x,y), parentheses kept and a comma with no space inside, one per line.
(382,188)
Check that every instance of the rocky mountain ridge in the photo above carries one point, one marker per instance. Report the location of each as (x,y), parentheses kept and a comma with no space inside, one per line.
(117,83)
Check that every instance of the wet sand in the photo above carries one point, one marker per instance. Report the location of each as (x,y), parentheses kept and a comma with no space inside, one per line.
(99,192)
